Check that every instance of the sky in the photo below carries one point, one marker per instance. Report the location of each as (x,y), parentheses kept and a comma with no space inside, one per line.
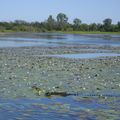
(89,11)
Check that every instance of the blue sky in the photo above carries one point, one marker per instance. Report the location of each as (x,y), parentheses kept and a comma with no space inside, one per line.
(88,11)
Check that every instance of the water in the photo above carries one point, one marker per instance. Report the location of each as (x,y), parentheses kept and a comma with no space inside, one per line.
(86,55)
(57,40)
(68,108)
(8,43)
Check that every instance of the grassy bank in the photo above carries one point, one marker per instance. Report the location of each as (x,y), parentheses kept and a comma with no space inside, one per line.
(87,32)
(67,32)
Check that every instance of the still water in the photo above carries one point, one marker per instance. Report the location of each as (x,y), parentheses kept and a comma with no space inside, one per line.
(58,40)
(85,55)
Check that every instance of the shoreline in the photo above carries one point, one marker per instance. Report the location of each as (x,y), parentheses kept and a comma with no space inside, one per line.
(87,33)
(68,32)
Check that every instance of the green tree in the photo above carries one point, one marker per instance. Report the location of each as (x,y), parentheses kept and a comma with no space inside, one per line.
(118,24)
(107,24)
(93,27)
(77,22)
(51,23)
(62,21)
(84,27)
(100,27)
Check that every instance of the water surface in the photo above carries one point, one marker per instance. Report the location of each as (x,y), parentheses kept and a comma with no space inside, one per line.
(68,108)
(57,40)
(86,55)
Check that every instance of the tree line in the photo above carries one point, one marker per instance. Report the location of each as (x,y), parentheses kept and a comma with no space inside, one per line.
(59,24)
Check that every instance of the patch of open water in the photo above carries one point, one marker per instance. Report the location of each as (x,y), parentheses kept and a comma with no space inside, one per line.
(68,108)
(84,55)
(55,40)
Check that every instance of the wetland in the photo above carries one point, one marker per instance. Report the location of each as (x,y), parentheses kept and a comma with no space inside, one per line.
(59,76)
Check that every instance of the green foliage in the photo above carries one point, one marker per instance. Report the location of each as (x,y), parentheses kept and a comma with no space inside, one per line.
(93,27)
(51,23)
(118,25)
(77,22)
(62,21)
(107,24)
(59,24)
(84,27)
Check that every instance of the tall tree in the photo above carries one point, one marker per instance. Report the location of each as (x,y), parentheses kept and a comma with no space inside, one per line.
(107,24)
(62,21)
(77,22)
(118,24)
(50,23)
